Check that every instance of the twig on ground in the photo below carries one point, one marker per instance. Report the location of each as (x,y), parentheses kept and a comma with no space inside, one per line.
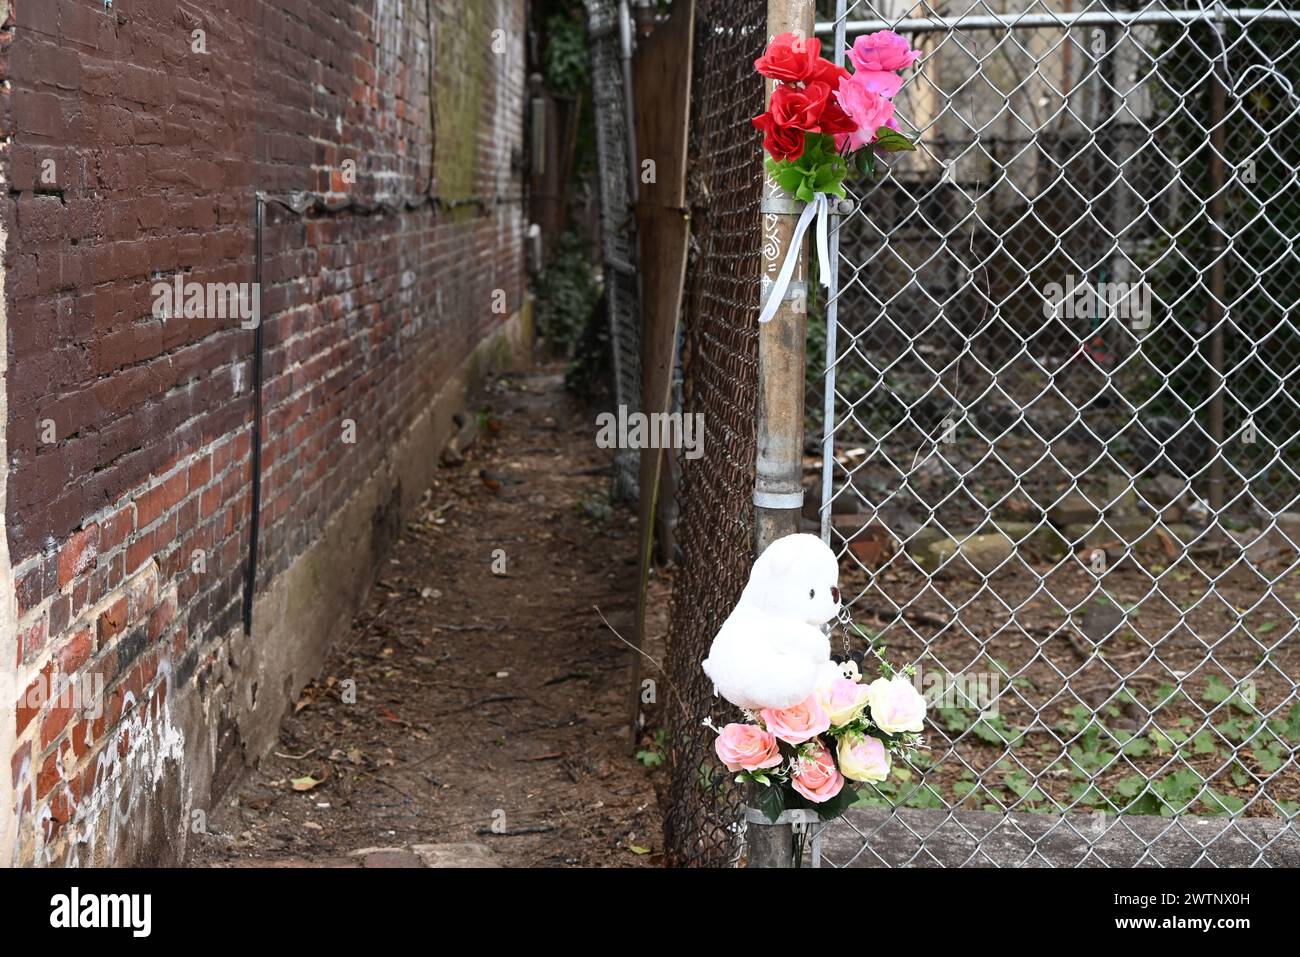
(515,831)
(933,619)
(571,676)
(295,757)
(686,714)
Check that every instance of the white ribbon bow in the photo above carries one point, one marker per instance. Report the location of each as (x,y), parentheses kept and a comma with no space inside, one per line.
(820,207)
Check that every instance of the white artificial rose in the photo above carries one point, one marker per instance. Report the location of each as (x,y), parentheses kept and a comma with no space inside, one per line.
(896,706)
(863,758)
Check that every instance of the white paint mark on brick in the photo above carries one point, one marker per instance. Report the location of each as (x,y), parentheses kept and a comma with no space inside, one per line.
(123,786)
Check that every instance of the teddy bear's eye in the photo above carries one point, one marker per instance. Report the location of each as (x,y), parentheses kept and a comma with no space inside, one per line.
(812,592)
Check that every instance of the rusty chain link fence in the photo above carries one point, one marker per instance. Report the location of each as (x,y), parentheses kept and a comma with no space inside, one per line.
(720,366)
(1062,437)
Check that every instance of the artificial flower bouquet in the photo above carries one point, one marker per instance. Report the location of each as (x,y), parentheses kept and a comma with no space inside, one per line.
(820,752)
(822,120)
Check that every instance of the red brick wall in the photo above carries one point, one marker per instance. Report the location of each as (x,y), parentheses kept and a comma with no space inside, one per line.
(129,436)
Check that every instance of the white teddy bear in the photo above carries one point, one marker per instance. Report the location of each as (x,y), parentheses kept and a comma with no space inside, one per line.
(771,652)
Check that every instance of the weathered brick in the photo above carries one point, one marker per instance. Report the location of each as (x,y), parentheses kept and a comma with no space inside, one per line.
(78,554)
(160,498)
(30,589)
(199,473)
(57,717)
(32,639)
(139,551)
(112,620)
(60,614)
(75,652)
(48,776)
(162,616)
(142,594)
(115,528)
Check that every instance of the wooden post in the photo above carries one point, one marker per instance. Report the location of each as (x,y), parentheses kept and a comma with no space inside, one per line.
(778,484)
(662,81)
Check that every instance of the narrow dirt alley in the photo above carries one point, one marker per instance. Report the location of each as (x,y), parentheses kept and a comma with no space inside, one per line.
(490,707)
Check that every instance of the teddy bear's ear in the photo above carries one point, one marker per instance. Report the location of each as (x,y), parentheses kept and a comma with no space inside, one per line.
(777,561)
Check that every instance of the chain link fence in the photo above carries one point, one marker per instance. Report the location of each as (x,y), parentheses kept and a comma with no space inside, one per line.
(715,530)
(1063,433)
(609,34)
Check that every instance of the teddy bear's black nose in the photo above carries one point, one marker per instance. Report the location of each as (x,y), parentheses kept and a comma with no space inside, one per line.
(835,594)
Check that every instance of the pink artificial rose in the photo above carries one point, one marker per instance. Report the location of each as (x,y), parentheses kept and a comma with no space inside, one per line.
(797,724)
(882,84)
(815,775)
(882,50)
(747,747)
(868,109)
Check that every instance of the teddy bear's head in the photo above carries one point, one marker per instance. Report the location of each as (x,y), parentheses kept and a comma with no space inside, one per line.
(796,577)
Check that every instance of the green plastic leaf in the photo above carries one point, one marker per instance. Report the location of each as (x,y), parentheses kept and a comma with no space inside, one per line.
(892,141)
(790,179)
(829,810)
(772,802)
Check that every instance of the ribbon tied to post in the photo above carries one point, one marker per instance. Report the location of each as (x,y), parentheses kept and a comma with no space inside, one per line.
(819,209)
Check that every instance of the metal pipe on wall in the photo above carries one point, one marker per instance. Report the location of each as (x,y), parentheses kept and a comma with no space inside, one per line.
(255,505)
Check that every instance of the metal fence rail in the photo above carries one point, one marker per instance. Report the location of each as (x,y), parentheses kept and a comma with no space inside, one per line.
(1062,433)
(609,42)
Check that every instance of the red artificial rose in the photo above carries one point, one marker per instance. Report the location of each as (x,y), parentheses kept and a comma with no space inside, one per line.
(790,58)
(781,142)
(812,109)
(824,71)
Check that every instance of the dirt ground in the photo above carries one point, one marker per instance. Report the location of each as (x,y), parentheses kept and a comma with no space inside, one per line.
(489,708)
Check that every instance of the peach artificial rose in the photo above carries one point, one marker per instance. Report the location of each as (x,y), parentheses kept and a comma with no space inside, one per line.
(747,747)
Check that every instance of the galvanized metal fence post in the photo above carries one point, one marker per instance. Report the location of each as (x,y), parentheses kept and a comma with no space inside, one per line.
(778,487)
